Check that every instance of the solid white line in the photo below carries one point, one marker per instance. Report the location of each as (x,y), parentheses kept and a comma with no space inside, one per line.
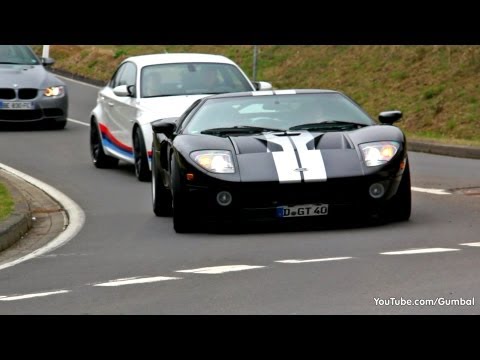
(418,251)
(77,81)
(136,280)
(475,244)
(431,191)
(78,122)
(76,217)
(312,260)
(29,296)
(220,269)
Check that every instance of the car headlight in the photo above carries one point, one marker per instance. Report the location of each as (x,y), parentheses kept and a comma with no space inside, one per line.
(54,91)
(379,153)
(216,161)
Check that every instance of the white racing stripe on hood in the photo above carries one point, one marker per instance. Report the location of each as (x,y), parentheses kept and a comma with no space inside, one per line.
(311,160)
(286,160)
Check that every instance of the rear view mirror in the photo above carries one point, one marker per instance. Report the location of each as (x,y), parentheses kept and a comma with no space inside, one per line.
(389,117)
(262,85)
(165,126)
(47,61)
(121,91)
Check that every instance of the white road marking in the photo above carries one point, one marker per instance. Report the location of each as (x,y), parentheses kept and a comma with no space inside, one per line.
(78,122)
(76,217)
(431,191)
(136,280)
(220,269)
(29,296)
(475,244)
(418,251)
(77,81)
(312,260)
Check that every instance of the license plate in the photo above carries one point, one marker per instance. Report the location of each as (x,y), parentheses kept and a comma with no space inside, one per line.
(302,210)
(16,105)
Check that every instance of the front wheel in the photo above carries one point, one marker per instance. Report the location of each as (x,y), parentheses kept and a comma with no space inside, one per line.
(99,158)
(142,170)
(401,203)
(161,197)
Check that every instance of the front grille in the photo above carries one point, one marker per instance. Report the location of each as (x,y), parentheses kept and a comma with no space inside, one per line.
(53,112)
(338,192)
(7,94)
(27,94)
(20,115)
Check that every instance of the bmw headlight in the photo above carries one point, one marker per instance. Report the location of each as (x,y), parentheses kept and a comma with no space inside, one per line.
(54,91)
(379,153)
(216,161)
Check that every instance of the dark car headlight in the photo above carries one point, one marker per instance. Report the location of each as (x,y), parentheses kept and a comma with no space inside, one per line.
(216,161)
(379,153)
(54,91)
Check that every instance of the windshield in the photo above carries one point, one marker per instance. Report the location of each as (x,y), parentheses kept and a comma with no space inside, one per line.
(17,54)
(322,111)
(191,78)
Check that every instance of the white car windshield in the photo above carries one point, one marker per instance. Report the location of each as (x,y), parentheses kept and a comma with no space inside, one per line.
(191,78)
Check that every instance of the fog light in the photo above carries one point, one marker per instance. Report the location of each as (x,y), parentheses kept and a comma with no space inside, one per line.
(377,190)
(224,198)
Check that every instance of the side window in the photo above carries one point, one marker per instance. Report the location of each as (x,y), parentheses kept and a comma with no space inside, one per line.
(128,75)
(116,77)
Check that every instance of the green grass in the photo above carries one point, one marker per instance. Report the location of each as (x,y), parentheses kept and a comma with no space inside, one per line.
(6,202)
(437,87)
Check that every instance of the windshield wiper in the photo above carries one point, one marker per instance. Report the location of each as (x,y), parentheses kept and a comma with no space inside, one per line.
(240,129)
(11,63)
(330,124)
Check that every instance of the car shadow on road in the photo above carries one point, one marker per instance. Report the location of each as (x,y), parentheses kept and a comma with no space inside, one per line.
(27,126)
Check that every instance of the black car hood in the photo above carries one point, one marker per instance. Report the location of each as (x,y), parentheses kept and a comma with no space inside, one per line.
(26,76)
(296,156)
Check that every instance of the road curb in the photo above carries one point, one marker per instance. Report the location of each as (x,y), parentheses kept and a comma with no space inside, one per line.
(19,222)
(470,152)
(81,78)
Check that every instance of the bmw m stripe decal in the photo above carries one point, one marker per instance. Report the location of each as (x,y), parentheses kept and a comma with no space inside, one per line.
(111,142)
(296,163)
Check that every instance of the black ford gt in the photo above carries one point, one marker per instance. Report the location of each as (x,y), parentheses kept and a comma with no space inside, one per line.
(278,155)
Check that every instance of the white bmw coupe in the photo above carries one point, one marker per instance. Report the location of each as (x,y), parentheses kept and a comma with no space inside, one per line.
(151,87)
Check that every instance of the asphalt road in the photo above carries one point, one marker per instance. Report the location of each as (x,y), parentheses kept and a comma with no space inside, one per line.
(122,239)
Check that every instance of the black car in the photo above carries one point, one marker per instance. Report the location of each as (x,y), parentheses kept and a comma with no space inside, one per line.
(279,155)
(28,92)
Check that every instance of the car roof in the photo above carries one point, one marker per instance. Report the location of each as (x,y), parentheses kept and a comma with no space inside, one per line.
(154,59)
(273,92)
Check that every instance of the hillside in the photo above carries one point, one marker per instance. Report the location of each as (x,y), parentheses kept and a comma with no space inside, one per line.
(437,87)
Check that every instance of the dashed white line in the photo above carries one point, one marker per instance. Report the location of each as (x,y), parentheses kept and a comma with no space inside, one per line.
(78,122)
(418,251)
(29,296)
(312,260)
(136,280)
(220,269)
(431,191)
(77,81)
(474,244)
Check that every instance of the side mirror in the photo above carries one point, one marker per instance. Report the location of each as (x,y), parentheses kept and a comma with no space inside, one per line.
(389,117)
(132,90)
(121,91)
(262,85)
(165,126)
(47,61)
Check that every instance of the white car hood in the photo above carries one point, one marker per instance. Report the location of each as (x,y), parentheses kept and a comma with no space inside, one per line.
(163,107)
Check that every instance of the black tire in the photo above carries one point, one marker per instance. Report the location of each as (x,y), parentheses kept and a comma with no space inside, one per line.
(161,197)
(59,125)
(401,203)
(99,158)
(142,171)
(182,221)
